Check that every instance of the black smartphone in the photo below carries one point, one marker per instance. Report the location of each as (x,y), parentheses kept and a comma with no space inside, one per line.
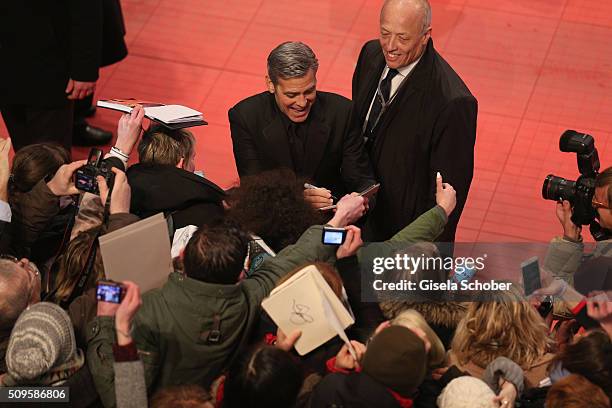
(531,275)
(109,291)
(333,236)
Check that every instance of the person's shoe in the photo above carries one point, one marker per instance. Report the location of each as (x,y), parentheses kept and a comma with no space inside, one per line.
(90,111)
(87,135)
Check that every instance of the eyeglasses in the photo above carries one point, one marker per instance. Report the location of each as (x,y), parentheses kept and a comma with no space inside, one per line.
(32,270)
(598,204)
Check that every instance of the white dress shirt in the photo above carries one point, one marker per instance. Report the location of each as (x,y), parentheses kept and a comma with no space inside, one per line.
(397,80)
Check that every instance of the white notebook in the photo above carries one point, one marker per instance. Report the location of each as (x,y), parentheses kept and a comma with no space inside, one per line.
(306,302)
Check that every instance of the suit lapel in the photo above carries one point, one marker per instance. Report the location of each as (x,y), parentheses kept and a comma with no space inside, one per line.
(275,138)
(412,86)
(375,69)
(318,134)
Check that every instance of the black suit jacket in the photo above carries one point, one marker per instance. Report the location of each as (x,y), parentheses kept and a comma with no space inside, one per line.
(429,127)
(335,157)
(43,44)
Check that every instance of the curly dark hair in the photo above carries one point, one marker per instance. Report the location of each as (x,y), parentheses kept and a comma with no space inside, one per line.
(271,204)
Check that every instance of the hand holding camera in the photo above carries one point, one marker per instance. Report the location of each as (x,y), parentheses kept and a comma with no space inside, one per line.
(121,300)
(121,194)
(570,230)
(351,244)
(86,178)
(61,184)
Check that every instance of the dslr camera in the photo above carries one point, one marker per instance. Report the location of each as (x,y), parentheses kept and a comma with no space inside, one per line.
(85,177)
(579,192)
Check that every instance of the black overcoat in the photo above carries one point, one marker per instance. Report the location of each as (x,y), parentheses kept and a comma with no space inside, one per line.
(430,126)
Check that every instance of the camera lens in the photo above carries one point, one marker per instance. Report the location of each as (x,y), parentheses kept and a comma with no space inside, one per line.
(557,188)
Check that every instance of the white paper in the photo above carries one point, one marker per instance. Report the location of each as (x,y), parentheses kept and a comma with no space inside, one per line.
(181,238)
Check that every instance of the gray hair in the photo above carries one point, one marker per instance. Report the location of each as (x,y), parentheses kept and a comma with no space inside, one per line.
(14,295)
(291,59)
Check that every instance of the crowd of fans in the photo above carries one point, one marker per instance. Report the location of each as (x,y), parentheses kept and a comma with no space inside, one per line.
(203,340)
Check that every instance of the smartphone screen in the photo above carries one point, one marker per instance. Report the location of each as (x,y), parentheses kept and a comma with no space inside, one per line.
(108,293)
(531,275)
(334,237)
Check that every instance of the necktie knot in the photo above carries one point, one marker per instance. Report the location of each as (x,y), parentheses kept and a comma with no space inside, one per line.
(391,74)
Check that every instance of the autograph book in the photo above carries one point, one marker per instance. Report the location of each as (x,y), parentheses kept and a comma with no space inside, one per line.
(171,116)
(367,193)
(307,303)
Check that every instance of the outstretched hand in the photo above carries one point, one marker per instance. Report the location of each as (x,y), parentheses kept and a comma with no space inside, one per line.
(128,129)
(349,209)
(446,196)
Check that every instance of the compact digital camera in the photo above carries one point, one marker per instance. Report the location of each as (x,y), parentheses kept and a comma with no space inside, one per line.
(85,177)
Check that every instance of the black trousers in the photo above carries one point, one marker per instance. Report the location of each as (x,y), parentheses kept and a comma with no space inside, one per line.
(81,106)
(34,124)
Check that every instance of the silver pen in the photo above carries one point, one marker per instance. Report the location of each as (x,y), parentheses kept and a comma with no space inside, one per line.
(308,185)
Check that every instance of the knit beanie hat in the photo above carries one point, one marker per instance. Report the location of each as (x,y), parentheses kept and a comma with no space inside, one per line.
(42,338)
(467,392)
(411,318)
(396,358)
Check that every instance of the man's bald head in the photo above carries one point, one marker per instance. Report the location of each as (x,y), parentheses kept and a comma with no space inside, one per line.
(405,29)
(14,293)
(409,9)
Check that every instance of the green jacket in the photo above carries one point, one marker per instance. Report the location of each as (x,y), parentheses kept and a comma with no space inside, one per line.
(171,330)
(426,228)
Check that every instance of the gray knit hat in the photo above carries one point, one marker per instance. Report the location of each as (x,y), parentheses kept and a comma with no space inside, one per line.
(42,338)
(466,392)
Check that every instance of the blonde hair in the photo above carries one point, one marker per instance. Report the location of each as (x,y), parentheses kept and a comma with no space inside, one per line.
(506,325)
(160,145)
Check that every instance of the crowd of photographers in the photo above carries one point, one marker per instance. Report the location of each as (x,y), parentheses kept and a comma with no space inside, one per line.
(202,338)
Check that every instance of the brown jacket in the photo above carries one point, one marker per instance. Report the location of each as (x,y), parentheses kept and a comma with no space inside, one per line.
(533,373)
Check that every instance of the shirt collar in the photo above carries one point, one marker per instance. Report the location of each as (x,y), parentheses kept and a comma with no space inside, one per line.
(403,71)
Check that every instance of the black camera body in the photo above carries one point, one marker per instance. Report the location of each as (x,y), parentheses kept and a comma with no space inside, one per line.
(580,192)
(85,177)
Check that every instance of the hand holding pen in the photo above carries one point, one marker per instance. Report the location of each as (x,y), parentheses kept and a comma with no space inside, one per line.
(318,197)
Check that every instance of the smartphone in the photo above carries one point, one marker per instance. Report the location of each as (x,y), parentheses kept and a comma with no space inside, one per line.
(109,291)
(546,306)
(531,275)
(333,236)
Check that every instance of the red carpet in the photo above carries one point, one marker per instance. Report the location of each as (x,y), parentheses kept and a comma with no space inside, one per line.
(537,67)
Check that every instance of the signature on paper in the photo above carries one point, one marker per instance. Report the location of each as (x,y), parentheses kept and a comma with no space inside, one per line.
(299,314)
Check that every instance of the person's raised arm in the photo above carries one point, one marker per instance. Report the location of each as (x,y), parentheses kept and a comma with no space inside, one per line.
(429,225)
(349,209)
